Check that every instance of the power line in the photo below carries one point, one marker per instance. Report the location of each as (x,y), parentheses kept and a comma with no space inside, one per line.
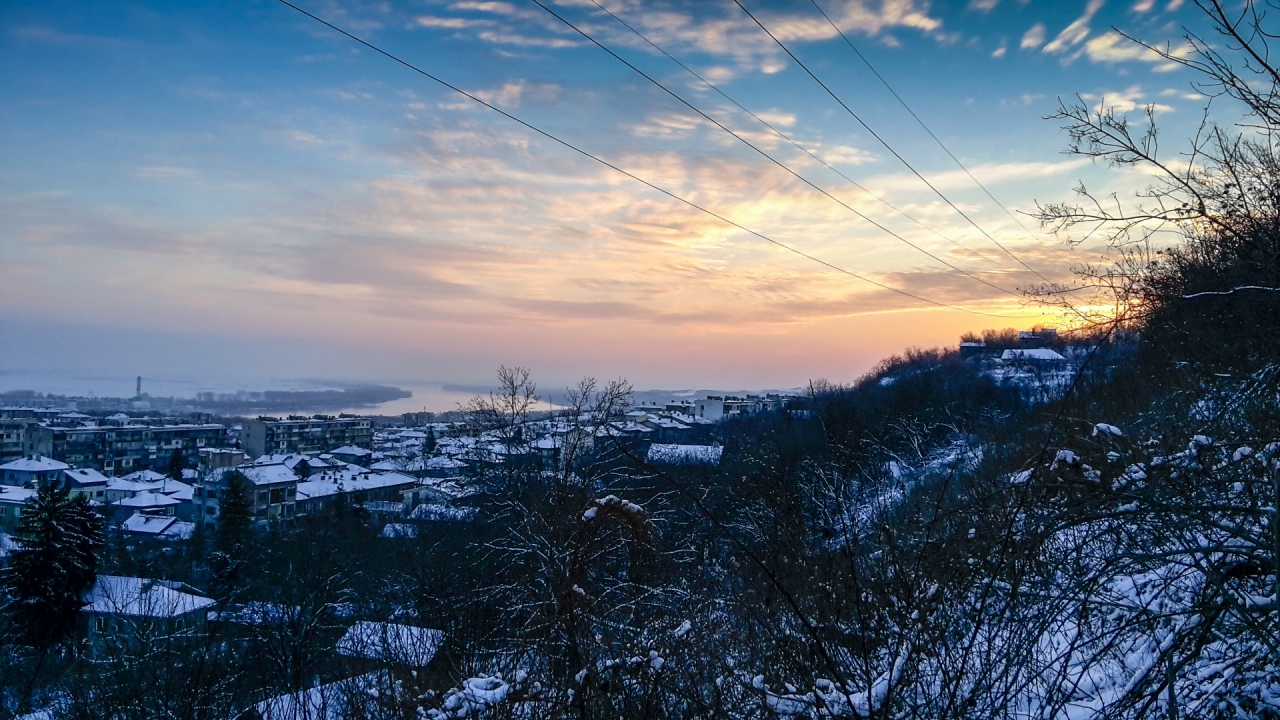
(882,141)
(786,137)
(766,155)
(926,128)
(638,179)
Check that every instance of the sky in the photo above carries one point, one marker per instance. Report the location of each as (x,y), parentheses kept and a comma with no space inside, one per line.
(232,195)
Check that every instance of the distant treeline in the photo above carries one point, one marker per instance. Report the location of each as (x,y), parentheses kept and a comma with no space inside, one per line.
(364,395)
(224,403)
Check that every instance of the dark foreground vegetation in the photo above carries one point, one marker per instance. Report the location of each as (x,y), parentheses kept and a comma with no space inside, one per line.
(935,541)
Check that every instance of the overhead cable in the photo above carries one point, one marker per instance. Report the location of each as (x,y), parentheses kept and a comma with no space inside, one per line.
(637,178)
(799,146)
(767,156)
(927,129)
(883,142)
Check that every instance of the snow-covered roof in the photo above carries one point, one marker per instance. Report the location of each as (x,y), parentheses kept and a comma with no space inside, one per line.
(38,463)
(145,476)
(1036,354)
(351,450)
(399,531)
(324,486)
(684,454)
(148,500)
(15,495)
(400,644)
(347,698)
(161,526)
(442,462)
(147,524)
(141,597)
(443,513)
(131,486)
(177,490)
(268,474)
(86,476)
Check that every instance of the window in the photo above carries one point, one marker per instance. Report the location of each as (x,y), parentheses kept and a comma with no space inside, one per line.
(277,496)
(100,624)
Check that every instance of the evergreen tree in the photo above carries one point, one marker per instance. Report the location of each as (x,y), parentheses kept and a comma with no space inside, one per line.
(236,514)
(55,562)
(177,464)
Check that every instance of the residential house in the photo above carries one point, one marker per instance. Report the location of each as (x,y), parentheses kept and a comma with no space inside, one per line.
(390,644)
(12,502)
(31,470)
(318,492)
(362,696)
(123,611)
(352,454)
(160,527)
(275,492)
(87,482)
(1033,356)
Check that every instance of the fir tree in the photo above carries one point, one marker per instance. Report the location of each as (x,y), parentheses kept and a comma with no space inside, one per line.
(177,464)
(55,562)
(236,513)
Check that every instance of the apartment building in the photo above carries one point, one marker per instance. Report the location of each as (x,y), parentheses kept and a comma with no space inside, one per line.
(297,434)
(127,448)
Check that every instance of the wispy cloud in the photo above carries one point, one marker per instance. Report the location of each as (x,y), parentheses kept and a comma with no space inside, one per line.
(1075,33)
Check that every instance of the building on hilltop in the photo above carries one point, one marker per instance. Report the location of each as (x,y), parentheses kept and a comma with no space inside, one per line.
(1032,356)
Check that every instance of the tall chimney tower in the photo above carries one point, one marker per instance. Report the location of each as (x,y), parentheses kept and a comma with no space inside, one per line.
(139,392)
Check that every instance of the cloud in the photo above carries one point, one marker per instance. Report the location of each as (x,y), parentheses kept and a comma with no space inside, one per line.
(1000,51)
(1124,101)
(706,29)
(1112,47)
(431,21)
(844,154)
(1142,6)
(990,174)
(161,172)
(1034,37)
(983,5)
(510,38)
(58,38)
(1075,33)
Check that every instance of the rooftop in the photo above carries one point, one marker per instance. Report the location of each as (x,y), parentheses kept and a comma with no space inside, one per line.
(35,463)
(141,597)
(400,644)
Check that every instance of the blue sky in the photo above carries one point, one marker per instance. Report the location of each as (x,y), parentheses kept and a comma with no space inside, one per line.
(234,192)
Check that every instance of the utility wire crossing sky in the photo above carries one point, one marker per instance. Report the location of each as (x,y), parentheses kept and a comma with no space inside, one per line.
(248,195)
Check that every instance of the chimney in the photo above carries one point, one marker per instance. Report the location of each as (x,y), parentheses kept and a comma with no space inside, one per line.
(139,392)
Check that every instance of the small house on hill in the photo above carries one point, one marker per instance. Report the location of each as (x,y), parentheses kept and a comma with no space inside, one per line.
(1032,356)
